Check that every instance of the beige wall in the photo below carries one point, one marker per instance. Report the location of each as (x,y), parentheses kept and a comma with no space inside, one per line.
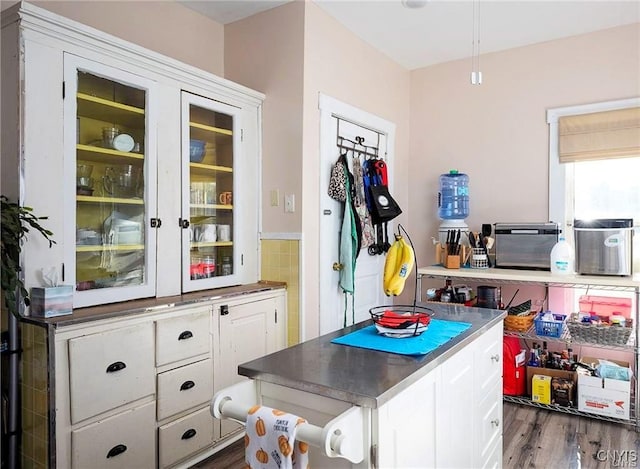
(497,132)
(265,53)
(333,62)
(164,27)
(340,65)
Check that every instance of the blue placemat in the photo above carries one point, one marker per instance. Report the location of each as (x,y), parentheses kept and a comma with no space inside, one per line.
(439,332)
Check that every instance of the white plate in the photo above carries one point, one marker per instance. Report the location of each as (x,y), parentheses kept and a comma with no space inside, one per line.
(123,142)
(408,332)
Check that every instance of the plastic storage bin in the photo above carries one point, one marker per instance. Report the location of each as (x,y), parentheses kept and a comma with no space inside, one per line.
(605,305)
(550,328)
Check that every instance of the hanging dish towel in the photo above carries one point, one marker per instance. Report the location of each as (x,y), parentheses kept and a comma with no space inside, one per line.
(270,440)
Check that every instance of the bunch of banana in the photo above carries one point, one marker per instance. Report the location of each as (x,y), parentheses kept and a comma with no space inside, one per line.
(397,266)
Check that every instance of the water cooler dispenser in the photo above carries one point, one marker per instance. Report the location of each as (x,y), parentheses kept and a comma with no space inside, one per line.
(453,204)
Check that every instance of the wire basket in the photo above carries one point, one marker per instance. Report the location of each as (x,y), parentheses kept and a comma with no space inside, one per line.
(401,321)
(550,328)
(601,334)
(519,323)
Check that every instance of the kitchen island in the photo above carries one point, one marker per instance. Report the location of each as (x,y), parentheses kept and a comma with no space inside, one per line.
(442,409)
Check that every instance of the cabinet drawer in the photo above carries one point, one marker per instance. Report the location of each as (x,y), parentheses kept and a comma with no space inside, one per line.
(183,337)
(124,440)
(185,436)
(488,359)
(490,420)
(110,369)
(184,387)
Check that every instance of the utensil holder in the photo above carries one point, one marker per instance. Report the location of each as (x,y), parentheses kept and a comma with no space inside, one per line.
(479,259)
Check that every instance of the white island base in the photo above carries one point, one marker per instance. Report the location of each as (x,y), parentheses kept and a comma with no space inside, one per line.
(450,417)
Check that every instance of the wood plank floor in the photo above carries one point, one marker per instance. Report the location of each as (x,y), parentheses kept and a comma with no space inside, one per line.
(532,438)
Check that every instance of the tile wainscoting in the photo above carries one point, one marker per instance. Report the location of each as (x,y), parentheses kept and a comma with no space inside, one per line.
(280,262)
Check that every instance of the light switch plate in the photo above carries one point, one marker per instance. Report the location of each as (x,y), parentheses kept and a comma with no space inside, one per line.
(275,197)
(289,203)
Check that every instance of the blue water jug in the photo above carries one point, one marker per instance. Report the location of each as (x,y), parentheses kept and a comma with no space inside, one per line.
(453,198)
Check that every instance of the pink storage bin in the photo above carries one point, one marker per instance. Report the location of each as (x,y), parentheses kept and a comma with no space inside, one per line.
(605,305)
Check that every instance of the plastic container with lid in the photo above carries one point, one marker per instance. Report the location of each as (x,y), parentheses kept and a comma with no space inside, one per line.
(453,198)
(562,258)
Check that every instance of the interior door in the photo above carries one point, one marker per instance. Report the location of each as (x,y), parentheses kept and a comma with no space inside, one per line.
(338,118)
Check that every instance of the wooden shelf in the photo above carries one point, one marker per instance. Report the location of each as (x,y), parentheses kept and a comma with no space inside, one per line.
(199,168)
(109,247)
(209,128)
(108,200)
(211,244)
(105,155)
(212,206)
(516,276)
(109,111)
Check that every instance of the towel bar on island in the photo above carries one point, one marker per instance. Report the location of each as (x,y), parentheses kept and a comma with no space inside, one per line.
(342,437)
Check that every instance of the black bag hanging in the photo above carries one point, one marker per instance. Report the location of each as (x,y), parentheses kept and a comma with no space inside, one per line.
(381,205)
(384,207)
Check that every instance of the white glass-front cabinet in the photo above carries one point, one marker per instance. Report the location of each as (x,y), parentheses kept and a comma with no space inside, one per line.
(210,137)
(110,189)
(103,150)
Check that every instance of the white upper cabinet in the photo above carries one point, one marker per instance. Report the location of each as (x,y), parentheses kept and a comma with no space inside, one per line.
(105,130)
(110,169)
(210,143)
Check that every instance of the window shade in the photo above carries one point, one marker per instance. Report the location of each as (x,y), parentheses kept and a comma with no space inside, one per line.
(600,135)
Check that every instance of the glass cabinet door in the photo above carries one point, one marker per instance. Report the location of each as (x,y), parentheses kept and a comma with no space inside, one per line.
(209,143)
(113,194)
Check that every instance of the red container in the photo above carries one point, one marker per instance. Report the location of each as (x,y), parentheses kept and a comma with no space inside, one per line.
(605,306)
(514,373)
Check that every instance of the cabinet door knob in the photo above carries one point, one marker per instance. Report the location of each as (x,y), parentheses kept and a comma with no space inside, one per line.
(116,450)
(495,422)
(224,310)
(495,357)
(189,434)
(187,385)
(116,366)
(185,335)
(183,223)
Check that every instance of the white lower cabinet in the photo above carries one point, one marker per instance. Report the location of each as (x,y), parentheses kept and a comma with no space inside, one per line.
(449,418)
(134,392)
(124,440)
(185,436)
(184,388)
(119,360)
(249,328)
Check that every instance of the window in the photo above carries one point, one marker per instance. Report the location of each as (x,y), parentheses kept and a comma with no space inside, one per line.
(587,186)
(602,184)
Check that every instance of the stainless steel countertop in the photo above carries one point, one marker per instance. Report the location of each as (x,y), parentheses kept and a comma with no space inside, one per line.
(359,376)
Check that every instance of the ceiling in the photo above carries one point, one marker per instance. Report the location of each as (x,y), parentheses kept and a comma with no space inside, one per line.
(442,30)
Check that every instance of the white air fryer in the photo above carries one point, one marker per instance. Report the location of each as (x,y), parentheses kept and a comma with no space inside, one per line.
(604,246)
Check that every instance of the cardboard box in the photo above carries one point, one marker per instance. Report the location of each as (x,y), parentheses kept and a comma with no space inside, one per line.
(541,389)
(533,370)
(49,302)
(604,396)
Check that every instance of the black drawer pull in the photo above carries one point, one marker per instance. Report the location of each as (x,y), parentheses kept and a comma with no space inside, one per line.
(187,385)
(185,335)
(116,366)
(116,450)
(189,434)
